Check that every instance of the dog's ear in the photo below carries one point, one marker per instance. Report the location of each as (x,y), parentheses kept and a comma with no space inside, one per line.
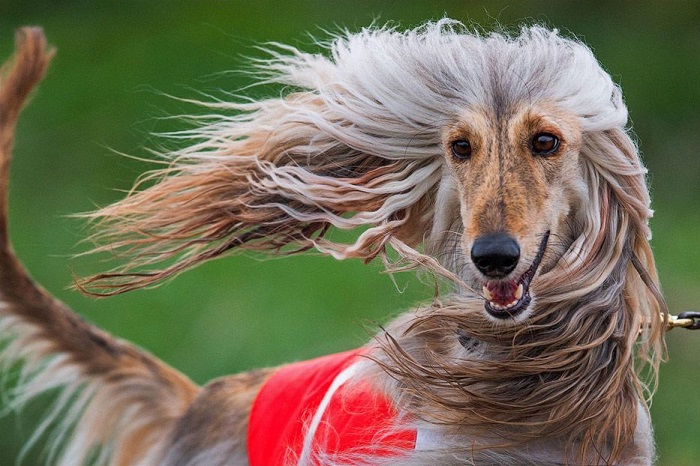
(275,176)
(616,228)
(642,289)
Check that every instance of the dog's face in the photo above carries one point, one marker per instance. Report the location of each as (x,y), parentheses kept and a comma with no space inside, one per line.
(518,180)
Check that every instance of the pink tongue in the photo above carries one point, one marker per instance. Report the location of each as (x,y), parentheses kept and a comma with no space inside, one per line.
(502,293)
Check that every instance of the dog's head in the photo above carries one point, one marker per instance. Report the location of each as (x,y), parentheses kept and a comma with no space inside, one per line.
(500,162)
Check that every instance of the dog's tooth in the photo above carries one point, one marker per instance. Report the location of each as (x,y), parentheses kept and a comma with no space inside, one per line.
(487,293)
(519,292)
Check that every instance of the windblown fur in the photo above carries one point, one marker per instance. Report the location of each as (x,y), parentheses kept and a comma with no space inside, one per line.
(359,144)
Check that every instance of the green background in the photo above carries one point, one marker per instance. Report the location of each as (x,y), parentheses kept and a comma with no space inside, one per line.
(105,93)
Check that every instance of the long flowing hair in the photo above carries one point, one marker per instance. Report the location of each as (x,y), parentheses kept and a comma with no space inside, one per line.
(354,144)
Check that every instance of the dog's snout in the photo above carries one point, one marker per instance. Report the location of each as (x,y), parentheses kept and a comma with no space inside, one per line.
(495,255)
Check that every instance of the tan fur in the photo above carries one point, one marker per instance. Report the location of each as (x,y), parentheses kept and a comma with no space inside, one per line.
(505,188)
(218,417)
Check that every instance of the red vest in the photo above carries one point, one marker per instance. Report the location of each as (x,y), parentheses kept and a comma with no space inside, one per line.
(307,407)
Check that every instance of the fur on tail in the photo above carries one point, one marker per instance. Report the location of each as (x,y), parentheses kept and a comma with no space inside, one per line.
(116,404)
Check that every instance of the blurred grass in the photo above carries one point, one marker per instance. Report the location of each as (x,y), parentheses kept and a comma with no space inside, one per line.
(105,91)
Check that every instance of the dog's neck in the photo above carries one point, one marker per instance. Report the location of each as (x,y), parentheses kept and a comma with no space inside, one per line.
(450,365)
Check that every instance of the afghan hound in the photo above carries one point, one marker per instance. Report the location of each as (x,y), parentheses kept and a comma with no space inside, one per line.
(501,164)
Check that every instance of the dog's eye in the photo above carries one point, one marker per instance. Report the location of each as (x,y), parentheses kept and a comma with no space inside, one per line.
(544,144)
(461,149)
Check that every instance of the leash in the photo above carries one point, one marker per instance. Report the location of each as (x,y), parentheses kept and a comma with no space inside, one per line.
(689,320)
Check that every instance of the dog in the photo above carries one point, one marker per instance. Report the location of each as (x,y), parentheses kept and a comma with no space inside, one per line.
(501,164)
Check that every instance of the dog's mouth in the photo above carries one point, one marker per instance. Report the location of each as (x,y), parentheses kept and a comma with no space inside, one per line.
(508,298)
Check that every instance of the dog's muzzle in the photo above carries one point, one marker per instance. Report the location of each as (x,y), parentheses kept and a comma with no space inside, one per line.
(506,299)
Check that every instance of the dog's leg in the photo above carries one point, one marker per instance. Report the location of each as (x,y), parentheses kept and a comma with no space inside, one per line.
(115,398)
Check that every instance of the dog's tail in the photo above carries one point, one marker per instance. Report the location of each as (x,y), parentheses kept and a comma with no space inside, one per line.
(117,403)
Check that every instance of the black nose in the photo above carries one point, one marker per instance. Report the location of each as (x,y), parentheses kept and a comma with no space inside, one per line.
(495,255)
